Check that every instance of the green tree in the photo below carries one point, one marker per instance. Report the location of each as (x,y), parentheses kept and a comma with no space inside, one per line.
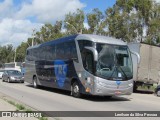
(21,52)
(96,22)
(7,54)
(130,19)
(75,22)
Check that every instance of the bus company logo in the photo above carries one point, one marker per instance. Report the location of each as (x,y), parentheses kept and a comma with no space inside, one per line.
(118,83)
(60,70)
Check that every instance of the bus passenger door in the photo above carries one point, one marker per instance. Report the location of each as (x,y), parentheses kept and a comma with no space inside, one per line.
(88,64)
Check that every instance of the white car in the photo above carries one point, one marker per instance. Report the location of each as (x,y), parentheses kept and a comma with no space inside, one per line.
(1,73)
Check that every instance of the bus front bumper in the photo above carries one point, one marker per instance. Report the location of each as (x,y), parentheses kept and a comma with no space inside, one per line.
(110,88)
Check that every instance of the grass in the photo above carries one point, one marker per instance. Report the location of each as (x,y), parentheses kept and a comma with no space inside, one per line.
(11,102)
(42,118)
(20,107)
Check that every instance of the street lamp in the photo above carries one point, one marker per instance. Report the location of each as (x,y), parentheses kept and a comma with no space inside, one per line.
(72,26)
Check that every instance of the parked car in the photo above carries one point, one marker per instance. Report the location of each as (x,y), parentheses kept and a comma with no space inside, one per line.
(1,73)
(12,76)
(157,90)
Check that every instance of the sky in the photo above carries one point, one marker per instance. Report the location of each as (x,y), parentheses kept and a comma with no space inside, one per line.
(18,18)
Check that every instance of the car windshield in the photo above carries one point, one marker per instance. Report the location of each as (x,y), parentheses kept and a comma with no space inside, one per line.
(113,62)
(1,71)
(14,72)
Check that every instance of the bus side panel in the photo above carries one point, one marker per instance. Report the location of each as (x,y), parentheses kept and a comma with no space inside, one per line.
(56,74)
(29,71)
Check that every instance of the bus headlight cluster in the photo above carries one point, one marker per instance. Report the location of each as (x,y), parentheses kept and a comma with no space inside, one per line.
(89,81)
(130,85)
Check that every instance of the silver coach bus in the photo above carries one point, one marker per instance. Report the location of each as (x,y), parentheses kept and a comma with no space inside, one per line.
(82,64)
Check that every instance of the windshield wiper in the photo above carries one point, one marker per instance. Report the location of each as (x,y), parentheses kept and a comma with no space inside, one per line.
(123,72)
(120,67)
(112,73)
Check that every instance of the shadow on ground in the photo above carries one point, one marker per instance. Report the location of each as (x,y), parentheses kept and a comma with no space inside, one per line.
(85,97)
(143,92)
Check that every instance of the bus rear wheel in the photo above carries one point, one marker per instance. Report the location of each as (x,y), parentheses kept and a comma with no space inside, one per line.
(75,90)
(35,85)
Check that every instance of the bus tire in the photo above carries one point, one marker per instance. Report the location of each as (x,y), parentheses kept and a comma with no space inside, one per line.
(35,85)
(75,90)
(158,93)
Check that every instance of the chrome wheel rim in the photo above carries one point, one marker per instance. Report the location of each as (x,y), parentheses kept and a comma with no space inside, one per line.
(34,83)
(76,89)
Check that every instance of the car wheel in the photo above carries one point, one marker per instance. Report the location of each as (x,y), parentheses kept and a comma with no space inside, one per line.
(2,79)
(8,80)
(158,93)
(35,82)
(75,90)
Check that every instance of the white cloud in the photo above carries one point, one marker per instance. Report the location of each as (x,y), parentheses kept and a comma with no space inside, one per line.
(49,10)
(15,25)
(158,1)
(6,9)
(16,31)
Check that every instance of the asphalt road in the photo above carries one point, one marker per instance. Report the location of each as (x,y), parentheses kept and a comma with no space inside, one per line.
(45,99)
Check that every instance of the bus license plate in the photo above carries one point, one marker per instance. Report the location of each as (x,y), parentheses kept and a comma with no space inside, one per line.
(117,92)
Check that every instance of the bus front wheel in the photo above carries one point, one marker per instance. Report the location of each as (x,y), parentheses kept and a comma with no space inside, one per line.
(75,90)
(35,82)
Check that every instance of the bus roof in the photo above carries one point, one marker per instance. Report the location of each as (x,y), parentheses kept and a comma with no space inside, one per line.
(56,41)
(100,39)
(94,38)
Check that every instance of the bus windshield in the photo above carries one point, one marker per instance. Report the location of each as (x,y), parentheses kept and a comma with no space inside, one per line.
(114,62)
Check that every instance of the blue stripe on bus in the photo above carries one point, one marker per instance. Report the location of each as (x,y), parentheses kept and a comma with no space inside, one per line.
(60,70)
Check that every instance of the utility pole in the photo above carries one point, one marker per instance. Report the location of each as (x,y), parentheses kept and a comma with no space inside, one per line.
(15,55)
(33,36)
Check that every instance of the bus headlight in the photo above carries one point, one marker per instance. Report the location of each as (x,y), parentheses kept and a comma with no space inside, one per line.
(89,81)
(130,84)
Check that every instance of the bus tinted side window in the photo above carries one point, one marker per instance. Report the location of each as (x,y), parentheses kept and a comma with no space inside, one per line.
(73,50)
(70,50)
(29,56)
(84,43)
(42,53)
(53,52)
(59,51)
(49,53)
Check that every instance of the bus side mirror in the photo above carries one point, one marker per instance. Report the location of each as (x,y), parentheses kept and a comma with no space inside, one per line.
(94,51)
(138,56)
